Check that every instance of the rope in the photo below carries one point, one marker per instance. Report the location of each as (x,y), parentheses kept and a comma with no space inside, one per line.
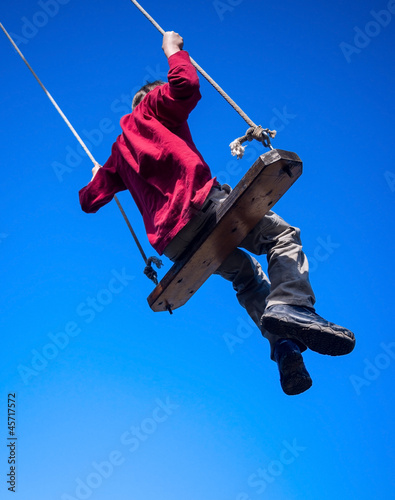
(258,133)
(95,163)
(201,71)
(152,274)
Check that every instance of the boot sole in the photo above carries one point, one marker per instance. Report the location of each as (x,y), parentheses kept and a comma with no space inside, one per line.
(324,340)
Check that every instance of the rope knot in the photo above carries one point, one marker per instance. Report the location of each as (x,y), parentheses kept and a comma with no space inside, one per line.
(254,133)
(149,271)
(258,133)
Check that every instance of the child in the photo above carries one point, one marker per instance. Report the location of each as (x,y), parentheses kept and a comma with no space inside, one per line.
(156,160)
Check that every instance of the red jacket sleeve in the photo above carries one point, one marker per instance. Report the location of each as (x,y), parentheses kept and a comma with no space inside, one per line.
(104,185)
(173,101)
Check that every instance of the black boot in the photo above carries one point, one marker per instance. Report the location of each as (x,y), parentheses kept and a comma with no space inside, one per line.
(304,325)
(294,377)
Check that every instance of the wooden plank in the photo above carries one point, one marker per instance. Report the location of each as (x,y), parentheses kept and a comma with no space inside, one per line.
(261,187)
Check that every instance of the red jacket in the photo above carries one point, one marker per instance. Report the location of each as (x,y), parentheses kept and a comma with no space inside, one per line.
(156,160)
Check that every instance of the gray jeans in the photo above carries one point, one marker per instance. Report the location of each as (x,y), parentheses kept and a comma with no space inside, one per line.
(288,268)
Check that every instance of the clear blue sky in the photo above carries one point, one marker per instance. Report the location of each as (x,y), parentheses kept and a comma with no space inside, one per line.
(145,406)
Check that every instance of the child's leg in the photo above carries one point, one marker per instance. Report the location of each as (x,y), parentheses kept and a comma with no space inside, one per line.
(252,288)
(289,311)
(288,268)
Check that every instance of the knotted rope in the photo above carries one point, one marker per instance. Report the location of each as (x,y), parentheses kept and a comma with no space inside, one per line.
(258,133)
(150,272)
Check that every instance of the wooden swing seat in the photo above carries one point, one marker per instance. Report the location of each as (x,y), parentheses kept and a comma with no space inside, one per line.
(262,186)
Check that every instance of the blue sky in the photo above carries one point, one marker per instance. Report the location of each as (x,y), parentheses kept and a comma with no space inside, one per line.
(117,402)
